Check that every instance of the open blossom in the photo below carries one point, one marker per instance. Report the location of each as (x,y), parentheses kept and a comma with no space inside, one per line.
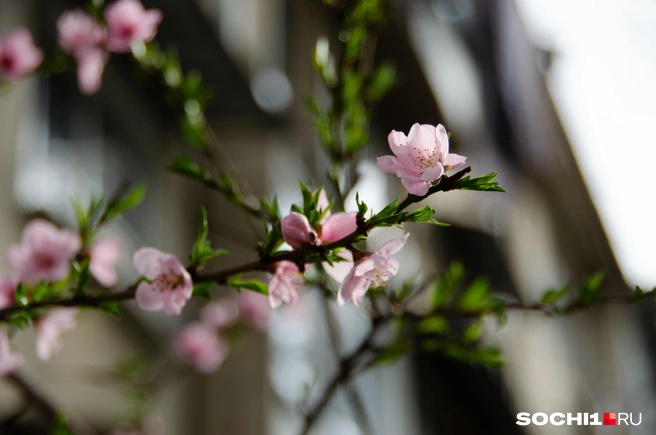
(18,55)
(284,284)
(201,347)
(420,158)
(44,253)
(9,361)
(103,256)
(220,313)
(254,309)
(170,285)
(372,271)
(84,38)
(130,23)
(50,328)
(7,289)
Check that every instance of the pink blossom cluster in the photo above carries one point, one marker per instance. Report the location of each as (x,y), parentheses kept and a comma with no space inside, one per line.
(44,255)
(202,343)
(372,269)
(90,42)
(18,55)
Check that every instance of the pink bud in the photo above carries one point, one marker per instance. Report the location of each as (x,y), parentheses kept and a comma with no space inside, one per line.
(296,230)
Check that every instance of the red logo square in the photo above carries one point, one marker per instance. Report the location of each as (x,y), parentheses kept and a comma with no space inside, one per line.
(610,419)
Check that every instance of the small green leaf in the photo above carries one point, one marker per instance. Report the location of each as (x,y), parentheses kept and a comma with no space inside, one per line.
(202,290)
(113,308)
(476,297)
(484,183)
(21,296)
(553,296)
(122,203)
(590,291)
(448,284)
(184,166)
(472,333)
(249,284)
(434,324)
(20,319)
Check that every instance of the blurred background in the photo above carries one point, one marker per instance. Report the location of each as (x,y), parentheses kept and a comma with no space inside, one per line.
(557,96)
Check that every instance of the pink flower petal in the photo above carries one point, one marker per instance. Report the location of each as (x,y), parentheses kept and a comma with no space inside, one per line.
(353,285)
(90,68)
(388,164)
(149,298)
(419,188)
(147,262)
(296,230)
(396,139)
(338,226)
(393,246)
(433,173)
(442,141)
(340,269)
(455,161)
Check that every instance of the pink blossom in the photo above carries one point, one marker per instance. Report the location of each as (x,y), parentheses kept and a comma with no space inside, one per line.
(84,38)
(44,253)
(90,68)
(78,32)
(372,271)
(7,290)
(9,361)
(420,158)
(220,313)
(254,309)
(103,256)
(297,231)
(284,284)
(170,285)
(130,23)
(50,328)
(18,55)
(200,347)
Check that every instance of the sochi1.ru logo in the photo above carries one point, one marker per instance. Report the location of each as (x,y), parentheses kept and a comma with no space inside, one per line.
(579,419)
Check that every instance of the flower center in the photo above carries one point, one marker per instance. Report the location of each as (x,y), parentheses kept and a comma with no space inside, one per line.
(7,62)
(166,282)
(378,277)
(125,31)
(44,261)
(426,160)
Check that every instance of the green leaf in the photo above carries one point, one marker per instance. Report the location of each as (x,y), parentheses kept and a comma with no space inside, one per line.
(381,81)
(122,203)
(184,166)
(21,319)
(448,284)
(362,207)
(484,183)
(82,276)
(420,215)
(113,308)
(202,251)
(202,290)
(434,324)
(553,296)
(589,292)
(476,297)
(21,295)
(472,333)
(249,284)
(59,425)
